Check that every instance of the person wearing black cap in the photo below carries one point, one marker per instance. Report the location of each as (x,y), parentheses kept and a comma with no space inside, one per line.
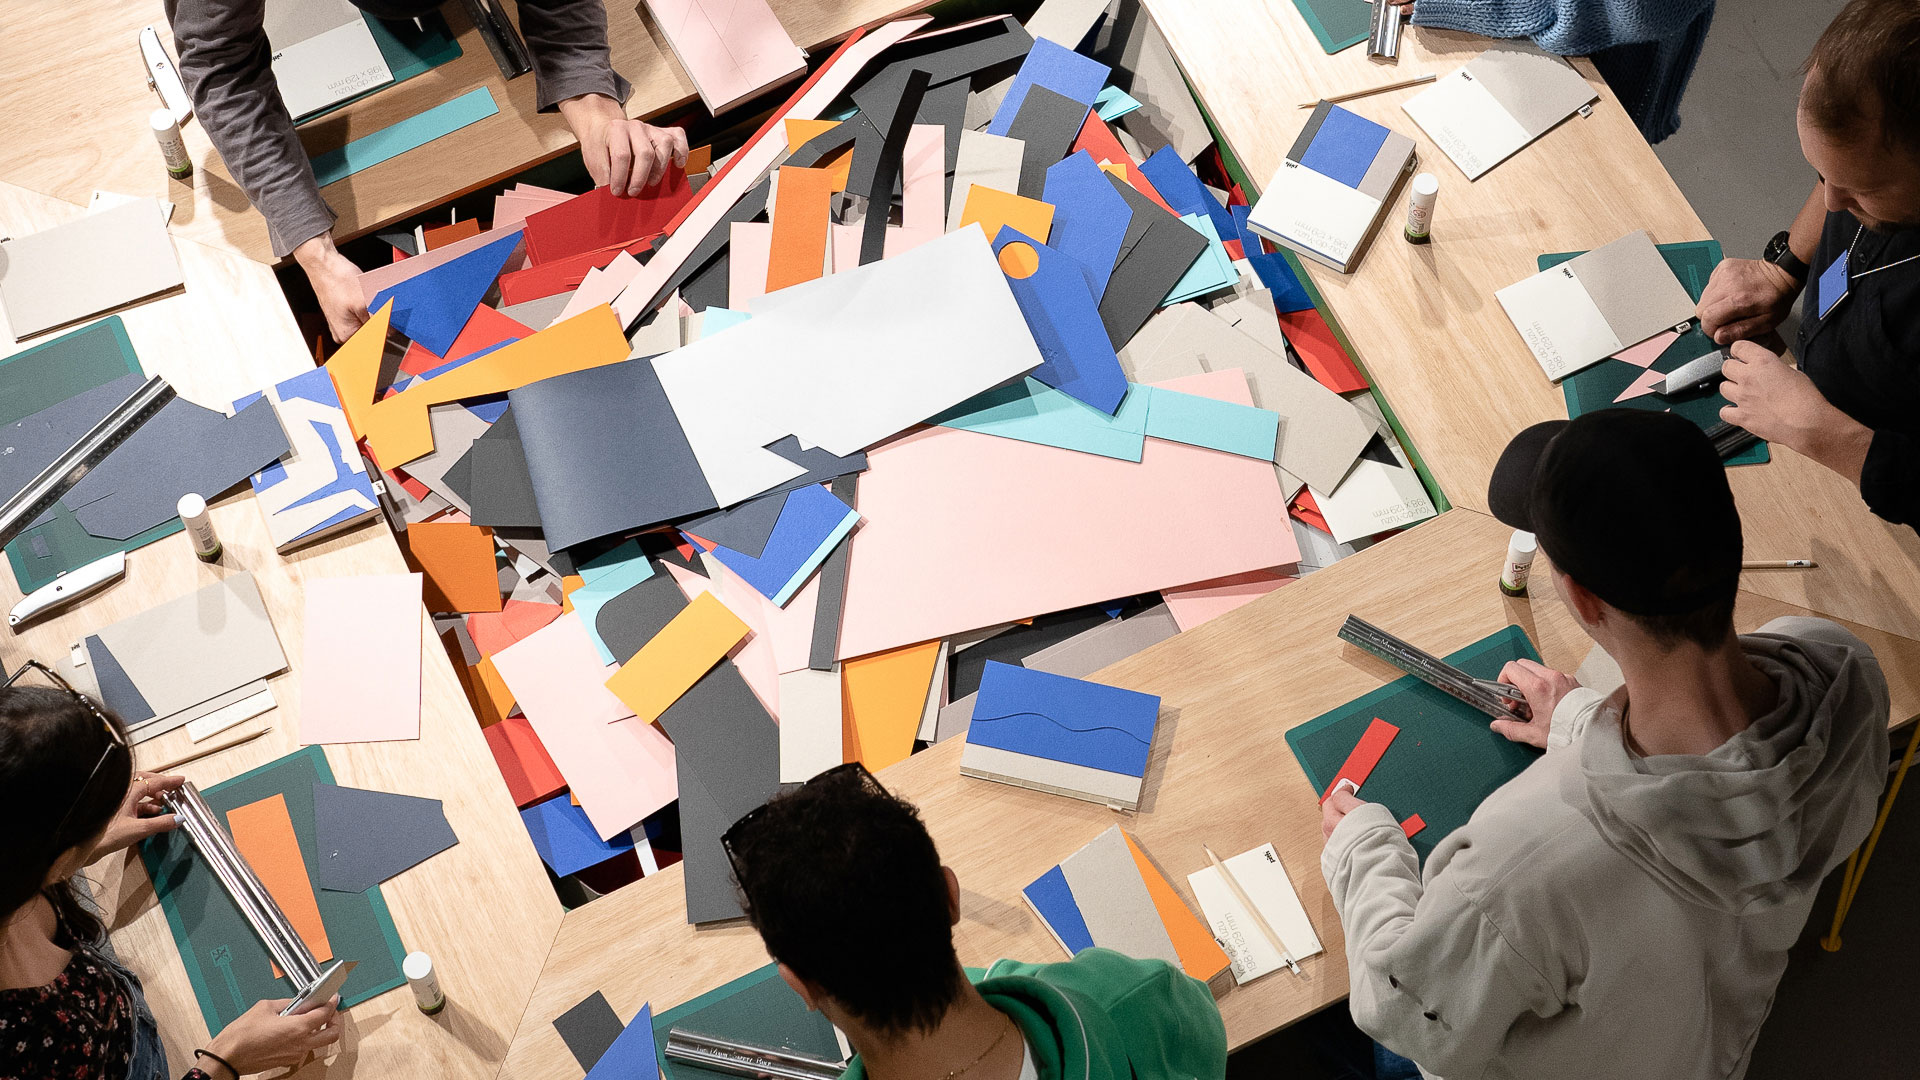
(1623,907)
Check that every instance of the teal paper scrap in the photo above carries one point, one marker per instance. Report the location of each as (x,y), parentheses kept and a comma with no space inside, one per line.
(1217,425)
(1211,272)
(1030,411)
(717,319)
(610,561)
(415,131)
(1114,103)
(588,599)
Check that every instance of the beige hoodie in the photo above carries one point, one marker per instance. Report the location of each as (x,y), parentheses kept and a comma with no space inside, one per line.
(1604,915)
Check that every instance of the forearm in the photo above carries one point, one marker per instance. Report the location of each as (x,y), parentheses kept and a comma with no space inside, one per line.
(1804,236)
(1841,444)
(1568,27)
(567,40)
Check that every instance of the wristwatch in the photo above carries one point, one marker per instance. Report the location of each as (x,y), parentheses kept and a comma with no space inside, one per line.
(1780,254)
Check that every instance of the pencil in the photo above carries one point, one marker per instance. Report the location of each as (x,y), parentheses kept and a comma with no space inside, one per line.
(1779,564)
(1371,90)
(207,751)
(1246,901)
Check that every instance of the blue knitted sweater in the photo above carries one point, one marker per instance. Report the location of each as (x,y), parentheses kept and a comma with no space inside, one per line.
(1646,49)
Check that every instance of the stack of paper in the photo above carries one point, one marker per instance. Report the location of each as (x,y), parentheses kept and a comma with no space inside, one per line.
(1264,879)
(1590,307)
(1508,96)
(92,264)
(1110,895)
(323,53)
(732,50)
(321,487)
(1330,194)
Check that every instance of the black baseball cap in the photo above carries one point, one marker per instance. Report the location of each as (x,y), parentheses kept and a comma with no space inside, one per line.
(1632,504)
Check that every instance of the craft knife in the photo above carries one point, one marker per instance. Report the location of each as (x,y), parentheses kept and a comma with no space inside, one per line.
(1696,374)
(69,587)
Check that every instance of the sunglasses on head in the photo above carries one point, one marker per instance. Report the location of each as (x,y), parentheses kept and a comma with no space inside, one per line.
(114,738)
(852,771)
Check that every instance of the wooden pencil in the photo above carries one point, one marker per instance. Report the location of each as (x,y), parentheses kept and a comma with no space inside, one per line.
(1371,90)
(1245,901)
(1779,564)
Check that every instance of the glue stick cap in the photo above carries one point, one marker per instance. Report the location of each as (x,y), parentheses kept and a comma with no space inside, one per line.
(1632,504)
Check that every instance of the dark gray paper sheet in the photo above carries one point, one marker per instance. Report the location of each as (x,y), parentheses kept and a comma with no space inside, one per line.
(365,837)
(833,589)
(588,1029)
(184,448)
(1047,123)
(631,619)
(117,690)
(727,753)
(744,527)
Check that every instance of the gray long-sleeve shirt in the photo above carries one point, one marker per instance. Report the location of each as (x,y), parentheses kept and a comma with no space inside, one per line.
(227,65)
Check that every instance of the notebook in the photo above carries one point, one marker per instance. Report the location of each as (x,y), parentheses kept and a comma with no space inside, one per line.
(731,49)
(1264,879)
(1109,895)
(321,486)
(323,53)
(1586,309)
(1505,98)
(1328,197)
(1068,736)
(91,264)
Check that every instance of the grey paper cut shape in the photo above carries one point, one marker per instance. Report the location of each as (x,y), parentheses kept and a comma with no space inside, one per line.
(1046,124)
(117,691)
(366,837)
(184,448)
(743,528)
(589,1029)
(727,752)
(825,646)
(630,620)
(199,646)
(94,263)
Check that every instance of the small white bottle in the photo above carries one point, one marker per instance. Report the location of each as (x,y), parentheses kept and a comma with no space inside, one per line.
(1422,193)
(418,968)
(193,513)
(166,131)
(1520,552)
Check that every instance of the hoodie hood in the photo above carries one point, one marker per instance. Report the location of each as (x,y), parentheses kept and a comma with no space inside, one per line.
(1763,817)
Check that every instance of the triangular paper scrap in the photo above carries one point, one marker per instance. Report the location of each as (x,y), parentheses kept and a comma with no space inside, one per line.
(885,693)
(431,308)
(365,837)
(1647,382)
(812,523)
(565,838)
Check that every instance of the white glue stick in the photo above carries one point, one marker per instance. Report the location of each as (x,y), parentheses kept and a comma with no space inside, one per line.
(193,513)
(418,968)
(1421,195)
(166,131)
(1520,552)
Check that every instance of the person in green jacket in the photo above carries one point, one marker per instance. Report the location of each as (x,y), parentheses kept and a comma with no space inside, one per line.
(848,893)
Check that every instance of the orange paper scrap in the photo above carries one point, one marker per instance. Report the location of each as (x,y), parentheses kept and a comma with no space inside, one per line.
(457,558)
(839,163)
(1200,955)
(798,251)
(685,649)
(884,695)
(396,428)
(755,656)
(993,209)
(263,833)
(496,699)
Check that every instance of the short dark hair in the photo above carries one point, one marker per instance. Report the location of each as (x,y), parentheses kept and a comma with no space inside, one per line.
(1706,626)
(845,886)
(1868,57)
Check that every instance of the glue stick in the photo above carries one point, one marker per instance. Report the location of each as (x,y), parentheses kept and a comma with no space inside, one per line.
(166,131)
(418,968)
(1520,552)
(193,513)
(1421,195)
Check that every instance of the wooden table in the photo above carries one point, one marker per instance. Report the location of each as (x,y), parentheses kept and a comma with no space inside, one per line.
(1220,774)
(484,909)
(77,106)
(1424,321)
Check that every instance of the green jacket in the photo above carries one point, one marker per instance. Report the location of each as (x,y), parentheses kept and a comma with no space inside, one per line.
(1105,1016)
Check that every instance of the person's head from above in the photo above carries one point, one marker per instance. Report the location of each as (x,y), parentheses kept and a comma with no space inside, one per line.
(848,893)
(1634,510)
(1859,115)
(64,770)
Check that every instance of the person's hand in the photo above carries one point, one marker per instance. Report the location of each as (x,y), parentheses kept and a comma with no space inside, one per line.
(261,1039)
(624,155)
(1337,805)
(1772,399)
(141,814)
(1405,6)
(1745,298)
(336,284)
(1544,688)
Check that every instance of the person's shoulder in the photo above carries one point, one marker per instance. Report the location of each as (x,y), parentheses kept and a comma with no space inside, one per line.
(1815,629)
(1102,976)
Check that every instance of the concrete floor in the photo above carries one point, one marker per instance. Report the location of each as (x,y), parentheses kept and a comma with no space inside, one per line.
(1737,159)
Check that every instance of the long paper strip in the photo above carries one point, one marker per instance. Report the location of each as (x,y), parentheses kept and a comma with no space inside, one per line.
(1366,754)
(415,131)
(263,833)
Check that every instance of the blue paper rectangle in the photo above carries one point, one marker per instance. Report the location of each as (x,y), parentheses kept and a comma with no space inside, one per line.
(1031,411)
(811,525)
(1090,217)
(390,142)
(1277,274)
(431,308)
(1344,147)
(565,839)
(1057,68)
(1052,897)
(1175,181)
(1057,302)
(1218,425)
(1023,711)
(632,1054)
(1211,272)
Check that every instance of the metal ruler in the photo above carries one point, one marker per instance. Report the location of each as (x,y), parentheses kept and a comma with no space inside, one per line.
(1730,439)
(80,459)
(503,41)
(1497,700)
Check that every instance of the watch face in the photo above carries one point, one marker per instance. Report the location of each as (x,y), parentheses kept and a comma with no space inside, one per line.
(1776,246)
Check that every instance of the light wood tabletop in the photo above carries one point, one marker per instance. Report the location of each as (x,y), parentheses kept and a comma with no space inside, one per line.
(1220,774)
(1423,318)
(484,909)
(67,134)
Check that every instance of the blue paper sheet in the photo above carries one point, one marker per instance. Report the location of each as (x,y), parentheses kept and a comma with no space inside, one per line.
(432,307)
(1033,412)
(632,1054)
(1211,272)
(1344,147)
(1074,721)
(1052,897)
(1058,305)
(1218,425)
(1114,103)
(1090,218)
(811,525)
(1175,181)
(566,840)
(389,142)
(1057,68)
(1278,275)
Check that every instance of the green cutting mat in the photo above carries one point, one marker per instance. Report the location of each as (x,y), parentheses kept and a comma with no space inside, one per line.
(1594,388)
(229,968)
(43,376)
(758,1008)
(1339,24)
(409,50)
(1445,760)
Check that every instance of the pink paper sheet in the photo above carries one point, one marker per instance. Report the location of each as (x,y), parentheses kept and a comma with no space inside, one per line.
(360,662)
(731,48)
(846,243)
(601,286)
(620,769)
(381,277)
(947,509)
(512,207)
(790,628)
(754,656)
(1204,601)
(749,248)
(1644,354)
(923,179)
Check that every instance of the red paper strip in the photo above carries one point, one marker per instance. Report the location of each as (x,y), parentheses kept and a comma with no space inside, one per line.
(1412,826)
(561,275)
(1366,754)
(601,219)
(1326,361)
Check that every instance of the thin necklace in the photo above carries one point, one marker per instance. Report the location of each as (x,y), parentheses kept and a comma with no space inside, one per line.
(1852,276)
(991,1047)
